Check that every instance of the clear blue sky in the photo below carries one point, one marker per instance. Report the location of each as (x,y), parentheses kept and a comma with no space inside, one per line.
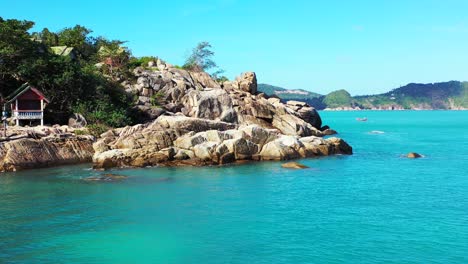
(363,46)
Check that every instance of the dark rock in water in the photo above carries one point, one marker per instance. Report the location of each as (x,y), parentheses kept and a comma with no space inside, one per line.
(293,165)
(324,128)
(413,155)
(328,132)
(106,177)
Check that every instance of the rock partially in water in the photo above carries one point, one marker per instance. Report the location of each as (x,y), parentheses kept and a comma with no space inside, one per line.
(294,165)
(53,150)
(413,155)
(108,177)
(169,142)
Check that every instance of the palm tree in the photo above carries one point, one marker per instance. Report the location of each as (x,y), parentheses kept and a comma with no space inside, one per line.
(113,54)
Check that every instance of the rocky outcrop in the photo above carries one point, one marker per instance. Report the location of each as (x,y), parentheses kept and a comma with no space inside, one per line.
(195,94)
(202,123)
(29,153)
(181,140)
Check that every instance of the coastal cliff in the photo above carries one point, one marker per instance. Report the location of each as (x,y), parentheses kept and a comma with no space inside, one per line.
(193,120)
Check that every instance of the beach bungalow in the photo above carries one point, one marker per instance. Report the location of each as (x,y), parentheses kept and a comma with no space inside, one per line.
(27,104)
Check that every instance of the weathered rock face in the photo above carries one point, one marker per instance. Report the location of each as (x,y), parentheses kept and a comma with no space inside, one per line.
(180,140)
(28,153)
(195,94)
(247,82)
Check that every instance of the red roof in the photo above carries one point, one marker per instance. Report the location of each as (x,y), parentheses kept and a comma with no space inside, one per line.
(23,93)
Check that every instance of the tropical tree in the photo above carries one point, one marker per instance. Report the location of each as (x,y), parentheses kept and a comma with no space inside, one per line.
(201,58)
(113,55)
(78,38)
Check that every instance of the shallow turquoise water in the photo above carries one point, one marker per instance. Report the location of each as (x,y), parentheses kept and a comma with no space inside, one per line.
(372,207)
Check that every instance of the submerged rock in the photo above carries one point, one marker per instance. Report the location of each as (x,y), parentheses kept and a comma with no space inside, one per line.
(109,177)
(294,165)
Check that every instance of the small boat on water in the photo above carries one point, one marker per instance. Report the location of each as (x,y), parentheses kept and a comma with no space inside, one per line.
(362,119)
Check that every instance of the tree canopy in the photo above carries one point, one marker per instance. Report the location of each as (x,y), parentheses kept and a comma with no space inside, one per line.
(201,58)
(70,84)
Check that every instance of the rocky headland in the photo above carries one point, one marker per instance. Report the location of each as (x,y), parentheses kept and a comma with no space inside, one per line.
(187,119)
(193,120)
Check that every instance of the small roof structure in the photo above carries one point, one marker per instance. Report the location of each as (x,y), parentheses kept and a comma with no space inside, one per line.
(62,50)
(22,89)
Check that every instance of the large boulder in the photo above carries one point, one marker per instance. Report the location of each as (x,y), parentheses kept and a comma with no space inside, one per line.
(77,121)
(214,105)
(283,148)
(247,82)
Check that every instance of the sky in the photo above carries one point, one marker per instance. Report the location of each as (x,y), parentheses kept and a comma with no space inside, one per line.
(363,46)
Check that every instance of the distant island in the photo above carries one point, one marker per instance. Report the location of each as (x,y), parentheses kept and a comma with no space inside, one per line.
(451,95)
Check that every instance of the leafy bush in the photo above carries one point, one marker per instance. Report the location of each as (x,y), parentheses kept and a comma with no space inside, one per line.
(80,132)
(156,98)
(97,129)
(142,61)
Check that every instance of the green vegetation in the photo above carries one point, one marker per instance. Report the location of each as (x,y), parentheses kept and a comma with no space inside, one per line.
(201,60)
(444,95)
(71,82)
(156,98)
(141,62)
(97,129)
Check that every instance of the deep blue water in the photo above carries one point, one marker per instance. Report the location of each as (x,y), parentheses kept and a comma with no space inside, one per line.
(372,207)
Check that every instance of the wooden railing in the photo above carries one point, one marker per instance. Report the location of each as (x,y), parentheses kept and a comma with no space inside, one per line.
(27,114)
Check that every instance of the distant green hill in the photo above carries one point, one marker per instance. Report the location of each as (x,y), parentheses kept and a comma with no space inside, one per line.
(311,98)
(338,98)
(443,95)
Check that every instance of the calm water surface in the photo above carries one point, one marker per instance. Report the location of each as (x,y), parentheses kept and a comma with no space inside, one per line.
(372,207)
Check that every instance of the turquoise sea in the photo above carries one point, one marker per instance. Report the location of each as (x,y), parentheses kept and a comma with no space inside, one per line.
(372,207)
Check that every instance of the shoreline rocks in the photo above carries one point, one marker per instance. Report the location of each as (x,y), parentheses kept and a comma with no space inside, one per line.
(29,153)
(168,142)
